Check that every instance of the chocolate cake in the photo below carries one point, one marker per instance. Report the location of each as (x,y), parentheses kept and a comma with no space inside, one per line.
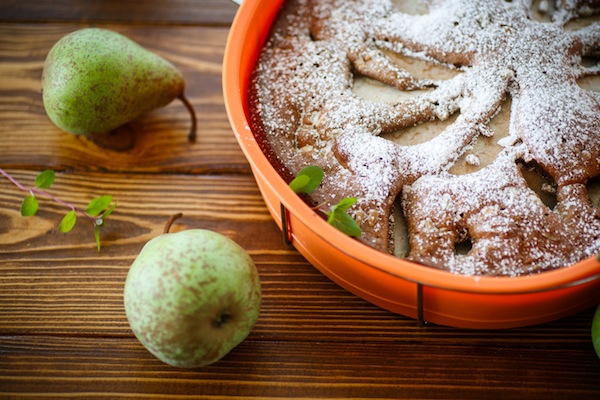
(468,130)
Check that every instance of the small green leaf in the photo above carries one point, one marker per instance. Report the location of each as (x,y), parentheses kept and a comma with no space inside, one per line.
(345,223)
(29,206)
(68,222)
(109,211)
(301,184)
(340,219)
(98,205)
(45,179)
(344,204)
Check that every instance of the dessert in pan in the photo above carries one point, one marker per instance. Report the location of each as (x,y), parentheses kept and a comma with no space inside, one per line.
(469,131)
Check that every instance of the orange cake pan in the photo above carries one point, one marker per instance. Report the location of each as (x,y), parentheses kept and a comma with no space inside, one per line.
(400,286)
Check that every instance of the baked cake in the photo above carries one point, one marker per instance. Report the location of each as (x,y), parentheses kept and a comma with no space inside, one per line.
(468,130)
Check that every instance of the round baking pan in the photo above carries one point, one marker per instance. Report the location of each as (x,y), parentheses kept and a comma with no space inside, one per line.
(401,286)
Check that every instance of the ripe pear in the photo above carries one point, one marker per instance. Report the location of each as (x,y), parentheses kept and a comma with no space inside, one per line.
(96,80)
(192,296)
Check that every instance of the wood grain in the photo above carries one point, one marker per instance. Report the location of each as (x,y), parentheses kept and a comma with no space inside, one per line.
(205,12)
(30,139)
(271,370)
(78,289)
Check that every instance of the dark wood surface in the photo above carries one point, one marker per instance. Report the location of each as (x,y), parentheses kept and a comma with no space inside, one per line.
(63,329)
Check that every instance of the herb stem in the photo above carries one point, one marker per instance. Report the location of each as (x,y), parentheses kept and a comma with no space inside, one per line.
(14,181)
(41,192)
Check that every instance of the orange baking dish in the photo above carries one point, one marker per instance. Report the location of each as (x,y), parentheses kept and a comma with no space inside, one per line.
(400,286)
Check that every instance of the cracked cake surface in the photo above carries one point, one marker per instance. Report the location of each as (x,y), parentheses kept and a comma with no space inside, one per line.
(508,89)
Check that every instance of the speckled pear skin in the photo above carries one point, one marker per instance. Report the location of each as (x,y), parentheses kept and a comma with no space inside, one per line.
(192,296)
(95,80)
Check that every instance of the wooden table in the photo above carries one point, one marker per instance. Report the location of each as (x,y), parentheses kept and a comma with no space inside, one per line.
(63,329)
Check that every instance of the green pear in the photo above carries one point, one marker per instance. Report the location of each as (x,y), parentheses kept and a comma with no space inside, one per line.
(96,80)
(192,296)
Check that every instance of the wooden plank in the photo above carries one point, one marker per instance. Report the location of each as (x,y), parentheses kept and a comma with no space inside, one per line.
(229,204)
(31,140)
(77,290)
(205,12)
(108,368)
(63,329)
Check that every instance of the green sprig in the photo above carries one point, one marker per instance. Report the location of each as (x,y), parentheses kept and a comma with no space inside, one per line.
(97,210)
(307,181)
(339,218)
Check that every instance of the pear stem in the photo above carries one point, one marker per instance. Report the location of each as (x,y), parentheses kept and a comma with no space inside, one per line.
(170,222)
(188,105)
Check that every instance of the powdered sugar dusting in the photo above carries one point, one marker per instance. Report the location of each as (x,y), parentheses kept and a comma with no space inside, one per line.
(306,113)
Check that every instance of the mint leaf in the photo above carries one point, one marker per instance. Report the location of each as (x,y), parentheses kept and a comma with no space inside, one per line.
(108,211)
(68,222)
(344,222)
(29,206)
(98,205)
(299,183)
(97,210)
(340,219)
(344,204)
(307,179)
(45,179)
